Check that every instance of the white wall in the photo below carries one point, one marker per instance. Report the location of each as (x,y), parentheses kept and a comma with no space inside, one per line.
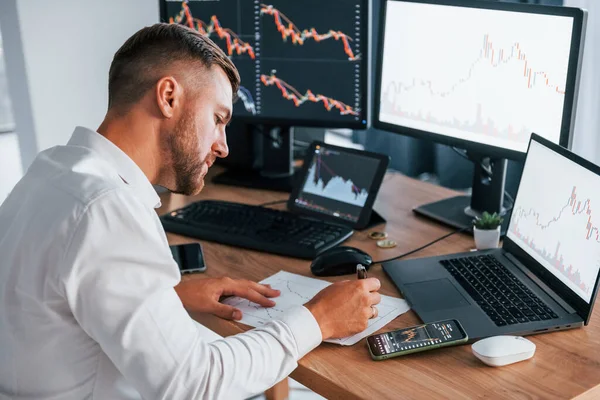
(10,164)
(586,139)
(57,57)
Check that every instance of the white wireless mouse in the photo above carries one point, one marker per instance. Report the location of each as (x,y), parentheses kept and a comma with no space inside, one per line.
(497,351)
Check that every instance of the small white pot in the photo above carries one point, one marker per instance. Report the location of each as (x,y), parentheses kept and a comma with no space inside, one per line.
(486,239)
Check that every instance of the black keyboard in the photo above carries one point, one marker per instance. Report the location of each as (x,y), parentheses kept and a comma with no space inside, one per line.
(503,297)
(254,227)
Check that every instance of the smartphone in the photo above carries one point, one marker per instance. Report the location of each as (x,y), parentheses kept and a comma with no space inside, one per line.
(189,257)
(416,338)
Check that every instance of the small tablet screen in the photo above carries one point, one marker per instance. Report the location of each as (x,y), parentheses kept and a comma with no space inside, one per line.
(337,183)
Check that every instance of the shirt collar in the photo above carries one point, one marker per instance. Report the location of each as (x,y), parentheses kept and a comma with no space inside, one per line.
(127,169)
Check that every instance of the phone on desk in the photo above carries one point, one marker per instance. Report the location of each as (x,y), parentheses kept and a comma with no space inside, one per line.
(416,338)
(189,257)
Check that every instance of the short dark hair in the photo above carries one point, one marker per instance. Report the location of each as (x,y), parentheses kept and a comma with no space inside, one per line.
(138,64)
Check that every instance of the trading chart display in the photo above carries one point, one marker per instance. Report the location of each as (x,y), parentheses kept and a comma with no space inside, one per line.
(419,336)
(298,60)
(338,183)
(490,76)
(555,218)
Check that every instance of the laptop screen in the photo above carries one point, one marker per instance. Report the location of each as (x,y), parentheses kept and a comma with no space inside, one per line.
(556,217)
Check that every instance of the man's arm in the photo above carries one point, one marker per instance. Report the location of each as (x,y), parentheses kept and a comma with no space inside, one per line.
(119,282)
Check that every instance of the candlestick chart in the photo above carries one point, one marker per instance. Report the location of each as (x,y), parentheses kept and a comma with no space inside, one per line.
(297,60)
(556,219)
(479,82)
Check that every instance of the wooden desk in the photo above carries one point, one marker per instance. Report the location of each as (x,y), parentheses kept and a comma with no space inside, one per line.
(566,364)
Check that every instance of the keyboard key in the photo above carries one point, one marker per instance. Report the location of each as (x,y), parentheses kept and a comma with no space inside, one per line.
(538,311)
(497,291)
(515,312)
(254,227)
(477,297)
(494,315)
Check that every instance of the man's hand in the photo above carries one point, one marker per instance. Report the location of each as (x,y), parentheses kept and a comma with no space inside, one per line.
(202,295)
(344,308)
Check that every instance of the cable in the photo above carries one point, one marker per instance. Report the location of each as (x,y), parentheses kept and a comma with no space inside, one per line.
(271,203)
(511,199)
(301,143)
(460,153)
(422,247)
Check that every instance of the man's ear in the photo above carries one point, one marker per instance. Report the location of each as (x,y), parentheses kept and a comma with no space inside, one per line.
(168,96)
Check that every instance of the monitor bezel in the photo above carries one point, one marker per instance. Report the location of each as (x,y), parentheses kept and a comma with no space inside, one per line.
(572,83)
(365,84)
(582,308)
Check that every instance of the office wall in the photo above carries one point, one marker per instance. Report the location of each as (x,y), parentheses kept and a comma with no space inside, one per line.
(57,57)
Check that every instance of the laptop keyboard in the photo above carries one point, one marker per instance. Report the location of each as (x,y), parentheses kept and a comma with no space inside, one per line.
(504,298)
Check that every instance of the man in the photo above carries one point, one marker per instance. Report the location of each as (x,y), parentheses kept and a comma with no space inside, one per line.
(91,300)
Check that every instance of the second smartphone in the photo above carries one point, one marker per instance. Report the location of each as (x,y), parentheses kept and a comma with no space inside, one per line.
(189,257)
(416,338)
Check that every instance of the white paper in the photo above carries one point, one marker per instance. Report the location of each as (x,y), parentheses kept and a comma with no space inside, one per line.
(297,290)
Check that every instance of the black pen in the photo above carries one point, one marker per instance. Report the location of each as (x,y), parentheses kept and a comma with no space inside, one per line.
(361,271)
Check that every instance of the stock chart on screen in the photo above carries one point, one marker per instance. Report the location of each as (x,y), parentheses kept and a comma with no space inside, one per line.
(486,76)
(556,218)
(299,60)
(338,183)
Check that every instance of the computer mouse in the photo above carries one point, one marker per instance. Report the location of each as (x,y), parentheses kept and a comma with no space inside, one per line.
(497,351)
(340,260)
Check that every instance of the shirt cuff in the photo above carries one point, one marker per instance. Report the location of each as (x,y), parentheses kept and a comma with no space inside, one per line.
(305,329)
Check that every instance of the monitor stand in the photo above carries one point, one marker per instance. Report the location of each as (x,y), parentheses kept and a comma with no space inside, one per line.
(273,161)
(487,195)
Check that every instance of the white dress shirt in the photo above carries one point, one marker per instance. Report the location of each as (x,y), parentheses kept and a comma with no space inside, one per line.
(87,305)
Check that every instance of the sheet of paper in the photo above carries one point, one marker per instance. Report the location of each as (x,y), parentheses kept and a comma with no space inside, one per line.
(297,290)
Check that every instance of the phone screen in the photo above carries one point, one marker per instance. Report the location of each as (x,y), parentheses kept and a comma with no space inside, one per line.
(416,337)
(189,257)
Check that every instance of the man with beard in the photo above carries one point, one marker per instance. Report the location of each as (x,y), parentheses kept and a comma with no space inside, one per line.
(92,305)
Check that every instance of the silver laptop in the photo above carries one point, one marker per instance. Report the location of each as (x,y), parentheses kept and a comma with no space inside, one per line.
(545,276)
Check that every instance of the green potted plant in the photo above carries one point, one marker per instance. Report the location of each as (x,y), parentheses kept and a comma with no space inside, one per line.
(486,230)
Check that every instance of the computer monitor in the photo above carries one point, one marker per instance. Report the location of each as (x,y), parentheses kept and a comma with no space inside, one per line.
(481,76)
(302,63)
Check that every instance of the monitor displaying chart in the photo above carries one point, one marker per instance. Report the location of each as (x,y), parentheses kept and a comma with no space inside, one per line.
(299,61)
(338,183)
(482,75)
(556,218)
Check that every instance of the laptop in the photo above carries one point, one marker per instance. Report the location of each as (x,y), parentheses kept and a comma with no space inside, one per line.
(545,276)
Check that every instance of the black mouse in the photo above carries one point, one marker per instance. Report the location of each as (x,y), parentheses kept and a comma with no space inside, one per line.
(340,261)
